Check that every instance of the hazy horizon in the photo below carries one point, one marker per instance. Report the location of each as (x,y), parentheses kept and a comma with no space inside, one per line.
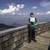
(16,12)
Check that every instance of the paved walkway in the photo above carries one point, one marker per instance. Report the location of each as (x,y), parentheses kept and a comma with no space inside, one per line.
(42,43)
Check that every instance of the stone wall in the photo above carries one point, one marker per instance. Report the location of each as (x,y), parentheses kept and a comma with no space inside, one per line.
(42,27)
(13,39)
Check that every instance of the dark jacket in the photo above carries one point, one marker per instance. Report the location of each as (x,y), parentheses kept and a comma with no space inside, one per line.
(33,24)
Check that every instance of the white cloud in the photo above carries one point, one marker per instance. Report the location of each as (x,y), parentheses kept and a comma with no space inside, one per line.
(45,4)
(38,13)
(48,12)
(9,10)
(20,5)
(43,13)
(13,13)
(45,7)
(12,9)
(34,7)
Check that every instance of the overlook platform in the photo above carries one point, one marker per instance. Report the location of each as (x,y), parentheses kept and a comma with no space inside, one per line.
(42,43)
(17,38)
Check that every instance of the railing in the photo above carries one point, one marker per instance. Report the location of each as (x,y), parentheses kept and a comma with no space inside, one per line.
(13,39)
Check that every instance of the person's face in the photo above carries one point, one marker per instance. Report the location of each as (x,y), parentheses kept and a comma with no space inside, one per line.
(32,15)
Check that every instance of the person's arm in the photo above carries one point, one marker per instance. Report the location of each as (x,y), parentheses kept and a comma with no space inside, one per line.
(35,20)
(29,19)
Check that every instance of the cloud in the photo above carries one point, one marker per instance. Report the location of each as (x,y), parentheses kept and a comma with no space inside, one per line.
(45,4)
(20,5)
(34,7)
(38,13)
(45,8)
(12,9)
(48,12)
(43,13)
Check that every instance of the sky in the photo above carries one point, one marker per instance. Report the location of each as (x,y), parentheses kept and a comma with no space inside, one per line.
(13,12)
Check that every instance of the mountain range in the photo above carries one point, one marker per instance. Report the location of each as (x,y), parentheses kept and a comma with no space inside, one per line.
(4,26)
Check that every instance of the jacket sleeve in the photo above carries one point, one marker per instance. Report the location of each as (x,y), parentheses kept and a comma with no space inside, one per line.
(35,20)
(29,19)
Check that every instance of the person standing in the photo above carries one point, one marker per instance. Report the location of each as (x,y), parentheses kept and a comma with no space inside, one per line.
(31,28)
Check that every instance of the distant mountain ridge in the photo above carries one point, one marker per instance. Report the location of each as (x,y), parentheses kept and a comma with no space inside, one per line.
(5,26)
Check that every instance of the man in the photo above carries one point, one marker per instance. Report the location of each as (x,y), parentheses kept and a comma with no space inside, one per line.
(31,28)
